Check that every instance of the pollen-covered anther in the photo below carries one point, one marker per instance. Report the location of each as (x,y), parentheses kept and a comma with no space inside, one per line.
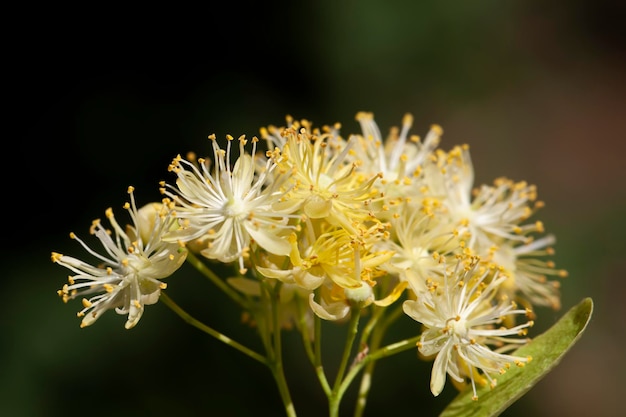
(540,227)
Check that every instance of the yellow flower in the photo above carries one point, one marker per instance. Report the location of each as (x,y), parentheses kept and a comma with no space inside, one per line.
(324,183)
(130,267)
(350,270)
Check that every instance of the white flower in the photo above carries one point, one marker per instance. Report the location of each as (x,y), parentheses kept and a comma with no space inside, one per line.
(421,239)
(490,214)
(464,326)
(229,208)
(528,272)
(398,159)
(130,268)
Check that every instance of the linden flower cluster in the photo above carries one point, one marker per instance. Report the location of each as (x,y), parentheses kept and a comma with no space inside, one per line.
(320,226)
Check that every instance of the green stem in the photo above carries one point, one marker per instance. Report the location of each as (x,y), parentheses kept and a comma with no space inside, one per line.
(313,347)
(366,377)
(303,327)
(283,388)
(312,354)
(317,349)
(210,331)
(364,389)
(378,332)
(276,354)
(384,352)
(207,272)
(337,393)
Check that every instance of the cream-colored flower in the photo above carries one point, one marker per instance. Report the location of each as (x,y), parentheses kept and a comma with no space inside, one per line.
(528,272)
(229,208)
(421,238)
(464,327)
(398,158)
(130,268)
(490,214)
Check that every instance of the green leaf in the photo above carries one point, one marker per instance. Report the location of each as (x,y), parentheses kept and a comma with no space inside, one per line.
(547,350)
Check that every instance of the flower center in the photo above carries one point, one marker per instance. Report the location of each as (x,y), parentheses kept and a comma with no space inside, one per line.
(235,208)
(458,326)
(360,294)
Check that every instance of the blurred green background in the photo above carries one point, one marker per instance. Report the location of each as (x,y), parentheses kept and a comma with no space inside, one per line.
(99,100)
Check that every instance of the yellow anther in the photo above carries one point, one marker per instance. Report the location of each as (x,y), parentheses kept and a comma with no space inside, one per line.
(539,226)
(438,130)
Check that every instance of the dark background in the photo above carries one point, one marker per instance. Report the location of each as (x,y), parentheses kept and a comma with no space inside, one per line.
(99,99)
